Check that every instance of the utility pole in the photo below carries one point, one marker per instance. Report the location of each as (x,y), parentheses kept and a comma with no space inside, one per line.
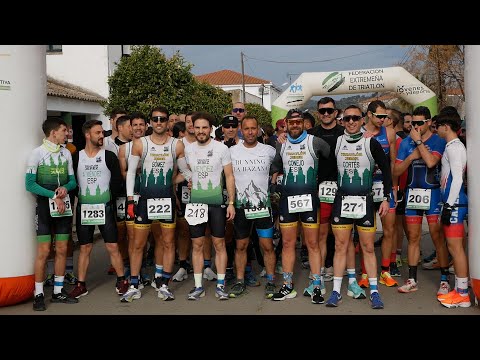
(290,76)
(243,78)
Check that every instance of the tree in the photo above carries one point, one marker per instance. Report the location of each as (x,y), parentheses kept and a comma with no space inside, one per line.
(147,79)
(260,113)
(440,67)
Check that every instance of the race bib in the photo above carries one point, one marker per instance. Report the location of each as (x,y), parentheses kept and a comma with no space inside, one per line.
(419,199)
(299,203)
(354,207)
(185,195)
(121,206)
(327,191)
(92,214)
(377,189)
(196,213)
(257,213)
(136,197)
(159,209)
(54,209)
(225,196)
(279,179)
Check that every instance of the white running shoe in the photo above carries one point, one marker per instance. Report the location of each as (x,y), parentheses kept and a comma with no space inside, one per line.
(180,275)
(132,294)
(209,274)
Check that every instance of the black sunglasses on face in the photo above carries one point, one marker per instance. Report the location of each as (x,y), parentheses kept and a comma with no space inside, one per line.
(323,111)
(347,118)
(380,116)
(418,123)
(238,110)
(229,126)
(162,119)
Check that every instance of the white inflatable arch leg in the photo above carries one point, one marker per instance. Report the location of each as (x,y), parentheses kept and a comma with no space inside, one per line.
(23,108)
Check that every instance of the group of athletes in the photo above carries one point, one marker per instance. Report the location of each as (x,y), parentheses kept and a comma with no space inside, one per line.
(331,178)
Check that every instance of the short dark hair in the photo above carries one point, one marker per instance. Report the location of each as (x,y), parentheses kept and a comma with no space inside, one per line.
(116,111)
(396,117)
(203,115)
(249,118)
(309,117)
(354,107)
(122,120)
(422,111)
(326,100)
(88,125)
(162,109)
(372,107)
(451,119)
(177,128)
(138,115)
(51,124)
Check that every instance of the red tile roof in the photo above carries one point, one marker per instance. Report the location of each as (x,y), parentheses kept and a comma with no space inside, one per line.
(65,90)
(229,77)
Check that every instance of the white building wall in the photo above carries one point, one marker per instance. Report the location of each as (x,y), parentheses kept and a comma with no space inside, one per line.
(254,96)
(86,66)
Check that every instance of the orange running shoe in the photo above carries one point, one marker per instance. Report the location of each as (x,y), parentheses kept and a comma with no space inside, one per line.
(387,280)
(442,297)
(363,283)
(456,300)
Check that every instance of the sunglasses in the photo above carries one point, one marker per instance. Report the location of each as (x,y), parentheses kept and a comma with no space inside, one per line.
(295,122)
(324,111)
(418,123)
(229,126)
(162,119)
(239,110)
(347,118)
(380,116)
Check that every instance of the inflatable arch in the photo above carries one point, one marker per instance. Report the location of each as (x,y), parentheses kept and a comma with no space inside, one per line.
(395,79)
(23,105)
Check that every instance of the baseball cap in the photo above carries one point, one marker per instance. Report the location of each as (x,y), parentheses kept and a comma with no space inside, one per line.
(294,113)
(230,120)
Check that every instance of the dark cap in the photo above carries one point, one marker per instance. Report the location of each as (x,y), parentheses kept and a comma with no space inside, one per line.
(294,114)
(230,120)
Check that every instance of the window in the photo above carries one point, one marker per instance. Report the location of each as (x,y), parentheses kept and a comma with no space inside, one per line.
(54,48)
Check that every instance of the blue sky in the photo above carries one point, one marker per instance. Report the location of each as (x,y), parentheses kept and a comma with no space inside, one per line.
(263,61)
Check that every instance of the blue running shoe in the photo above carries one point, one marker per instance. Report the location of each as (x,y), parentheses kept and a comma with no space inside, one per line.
(354,290)
(430,257)
(334,300)
(196,293)
(309,290)
(132,294)
(251,280)
(220,292)
(375,301)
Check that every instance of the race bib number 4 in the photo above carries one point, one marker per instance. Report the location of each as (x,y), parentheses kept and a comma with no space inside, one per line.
(92,214)
(327,191)
(121,206)
(299,203)
(54,209)
(419,199)
(257,213)
(196,213)
(354,207)
(159,209)
(377,191)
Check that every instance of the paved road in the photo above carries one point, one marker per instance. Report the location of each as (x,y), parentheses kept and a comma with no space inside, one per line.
(102,299)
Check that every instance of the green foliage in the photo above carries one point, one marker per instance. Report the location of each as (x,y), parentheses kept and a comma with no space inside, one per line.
(263,115)
(147,79)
